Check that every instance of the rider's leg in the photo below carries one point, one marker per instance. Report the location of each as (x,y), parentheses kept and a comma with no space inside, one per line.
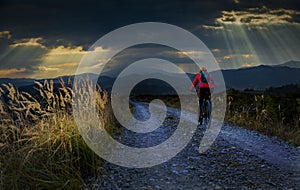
(199,108)
(205,95)
(201,98)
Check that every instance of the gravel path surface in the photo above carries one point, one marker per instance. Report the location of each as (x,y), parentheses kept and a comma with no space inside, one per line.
(239,159)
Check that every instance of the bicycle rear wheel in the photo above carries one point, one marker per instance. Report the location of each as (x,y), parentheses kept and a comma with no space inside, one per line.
(206,110)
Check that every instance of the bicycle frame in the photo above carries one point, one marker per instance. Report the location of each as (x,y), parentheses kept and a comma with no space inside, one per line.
(206,110)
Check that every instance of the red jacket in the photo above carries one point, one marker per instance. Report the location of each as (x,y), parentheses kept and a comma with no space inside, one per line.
(197,79)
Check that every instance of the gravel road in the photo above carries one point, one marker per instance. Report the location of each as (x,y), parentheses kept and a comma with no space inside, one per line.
(238,159)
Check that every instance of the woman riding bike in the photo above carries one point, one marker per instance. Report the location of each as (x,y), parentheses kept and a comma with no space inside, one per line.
(205,86)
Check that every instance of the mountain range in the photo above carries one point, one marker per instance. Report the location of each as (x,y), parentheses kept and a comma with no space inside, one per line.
(258,78)
(262,77)
(292,64)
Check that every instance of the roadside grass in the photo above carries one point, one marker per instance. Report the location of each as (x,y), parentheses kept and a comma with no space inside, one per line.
(40,145)
(48,155)
(272,115)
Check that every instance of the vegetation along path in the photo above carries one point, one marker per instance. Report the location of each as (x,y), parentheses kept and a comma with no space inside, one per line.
(238,159)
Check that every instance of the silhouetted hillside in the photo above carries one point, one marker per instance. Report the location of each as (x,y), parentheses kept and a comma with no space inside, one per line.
(257,78)
(261,77)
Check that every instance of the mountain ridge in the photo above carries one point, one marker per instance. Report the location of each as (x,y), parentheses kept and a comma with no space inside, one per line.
(259,77)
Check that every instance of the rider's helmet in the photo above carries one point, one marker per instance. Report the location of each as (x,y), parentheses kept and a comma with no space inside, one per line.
(202,69)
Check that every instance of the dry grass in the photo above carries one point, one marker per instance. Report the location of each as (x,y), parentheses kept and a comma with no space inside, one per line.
(40,145)
(270,115)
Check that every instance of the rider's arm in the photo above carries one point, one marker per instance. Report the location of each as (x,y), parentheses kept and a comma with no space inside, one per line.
(196,80)
(211,81)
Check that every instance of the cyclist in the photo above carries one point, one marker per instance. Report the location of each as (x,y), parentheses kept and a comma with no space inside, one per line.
(205,86)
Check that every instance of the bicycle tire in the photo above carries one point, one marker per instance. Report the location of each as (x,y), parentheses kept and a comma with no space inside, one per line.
(206,111)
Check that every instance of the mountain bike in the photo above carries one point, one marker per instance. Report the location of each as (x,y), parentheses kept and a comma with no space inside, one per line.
(206,110)
(206,107)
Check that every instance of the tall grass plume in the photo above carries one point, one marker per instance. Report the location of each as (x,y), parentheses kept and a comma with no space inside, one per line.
(40,145)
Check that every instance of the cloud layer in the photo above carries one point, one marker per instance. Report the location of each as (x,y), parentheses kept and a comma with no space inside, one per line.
(259,17)
(5,34)
(48,39)
(29,57)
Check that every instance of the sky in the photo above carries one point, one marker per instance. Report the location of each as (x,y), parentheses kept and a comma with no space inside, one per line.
(45,39)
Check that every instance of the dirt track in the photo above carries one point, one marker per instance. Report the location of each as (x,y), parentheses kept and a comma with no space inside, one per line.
(239,159)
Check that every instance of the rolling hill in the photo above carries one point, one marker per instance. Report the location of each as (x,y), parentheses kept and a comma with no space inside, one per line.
(259,78)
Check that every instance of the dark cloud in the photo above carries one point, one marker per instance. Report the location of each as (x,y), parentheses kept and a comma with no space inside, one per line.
(87,20)
(73,24)
(83,22)
(145,51)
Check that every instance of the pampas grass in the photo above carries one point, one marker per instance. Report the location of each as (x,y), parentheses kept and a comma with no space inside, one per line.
(40,145)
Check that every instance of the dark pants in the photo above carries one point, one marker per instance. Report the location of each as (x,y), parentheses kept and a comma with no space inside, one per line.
(203,93)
